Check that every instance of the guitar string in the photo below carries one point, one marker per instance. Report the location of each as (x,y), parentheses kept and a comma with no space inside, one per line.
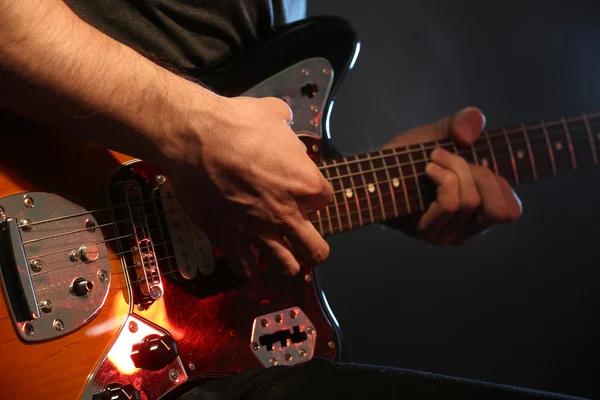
(482,140)
(320,219)
(389,168)
(344,226)
(333,213)
(404,151)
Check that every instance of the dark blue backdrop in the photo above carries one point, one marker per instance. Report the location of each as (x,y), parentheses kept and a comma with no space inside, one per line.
(518,305)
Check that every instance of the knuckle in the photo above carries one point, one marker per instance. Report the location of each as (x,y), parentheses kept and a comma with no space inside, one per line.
(321,253)
(451,179)
(472,202)
(449,205)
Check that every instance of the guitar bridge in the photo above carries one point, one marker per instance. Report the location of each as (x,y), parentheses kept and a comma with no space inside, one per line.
(144,256)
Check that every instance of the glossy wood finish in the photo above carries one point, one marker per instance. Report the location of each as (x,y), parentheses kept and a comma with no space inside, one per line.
(215,327)
(35,159)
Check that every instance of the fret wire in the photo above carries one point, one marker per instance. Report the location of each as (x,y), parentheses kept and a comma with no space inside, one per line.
(475,159)
(335,201)
(320,222)
(568,134)
(512,157)
(404,177)
(402,180)
(341,182)
(545,135)
(591,137)
(412,162)
(499,156)
(367,195)
(387,174)
(356,195)
(487,138)
(549,145)
(529,150)
(376,185)
(329,218)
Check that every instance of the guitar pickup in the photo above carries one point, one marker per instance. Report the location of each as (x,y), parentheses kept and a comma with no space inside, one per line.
(286,337)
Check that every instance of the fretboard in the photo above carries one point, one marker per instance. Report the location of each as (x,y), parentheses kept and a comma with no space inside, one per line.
(381,185)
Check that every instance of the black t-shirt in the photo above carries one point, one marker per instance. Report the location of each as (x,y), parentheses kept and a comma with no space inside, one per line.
(187,33)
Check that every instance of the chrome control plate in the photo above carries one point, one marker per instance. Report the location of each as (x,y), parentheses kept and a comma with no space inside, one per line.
(56,254)
(285,337)
(305,87)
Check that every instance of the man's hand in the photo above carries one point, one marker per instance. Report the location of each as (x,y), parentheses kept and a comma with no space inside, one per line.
(246,179)
(470,198)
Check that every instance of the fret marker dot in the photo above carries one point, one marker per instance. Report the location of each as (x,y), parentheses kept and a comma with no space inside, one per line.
(520,154)
(484,162)
(371,188)
(395,182)
(349,193)
(558,146)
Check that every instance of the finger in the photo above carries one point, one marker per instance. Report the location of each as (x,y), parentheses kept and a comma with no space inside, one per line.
(241,259)
(469,197)
(281,107)
(278,255)
(308,243)
(446,203)
(466,126)
(319,196)
(499,204)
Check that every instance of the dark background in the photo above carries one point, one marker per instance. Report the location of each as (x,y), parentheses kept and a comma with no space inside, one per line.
(518,305)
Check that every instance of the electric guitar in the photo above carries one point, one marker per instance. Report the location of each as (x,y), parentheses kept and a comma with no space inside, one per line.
(111,292)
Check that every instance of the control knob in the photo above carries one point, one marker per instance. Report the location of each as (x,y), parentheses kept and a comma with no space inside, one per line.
(114,391)
(81,287)
(154,352)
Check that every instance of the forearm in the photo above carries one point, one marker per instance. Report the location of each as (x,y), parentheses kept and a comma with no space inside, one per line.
(60,71)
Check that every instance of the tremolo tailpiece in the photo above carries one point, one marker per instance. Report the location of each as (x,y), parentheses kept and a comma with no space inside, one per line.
(144,256)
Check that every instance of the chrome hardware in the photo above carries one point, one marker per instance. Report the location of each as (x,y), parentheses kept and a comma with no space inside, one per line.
(58,325)
(314,108)
(293,328)
(25,224)
(46,306)
(307,278)
(191,366)
(315,148)
(28,329)
(174,375)
(74,256)
(156,292)
(28,201)
(191,246)
(102,276)
(2,215)
(160,180)
(37,262)
(288,84)
(331,345)
(90,226)
(89,253)
(35,265)
(81,287)
(154,383)
(145,258)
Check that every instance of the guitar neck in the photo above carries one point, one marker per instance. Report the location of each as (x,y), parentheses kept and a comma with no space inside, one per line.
(381,185)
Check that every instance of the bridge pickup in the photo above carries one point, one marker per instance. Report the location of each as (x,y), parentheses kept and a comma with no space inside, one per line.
(145,261)
(16,277)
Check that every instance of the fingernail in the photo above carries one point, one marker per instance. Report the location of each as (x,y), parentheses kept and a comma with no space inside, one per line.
(439,154)
(432,167)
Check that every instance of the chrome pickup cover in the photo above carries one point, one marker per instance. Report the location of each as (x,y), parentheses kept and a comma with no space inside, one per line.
(54,244)
(191,246)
